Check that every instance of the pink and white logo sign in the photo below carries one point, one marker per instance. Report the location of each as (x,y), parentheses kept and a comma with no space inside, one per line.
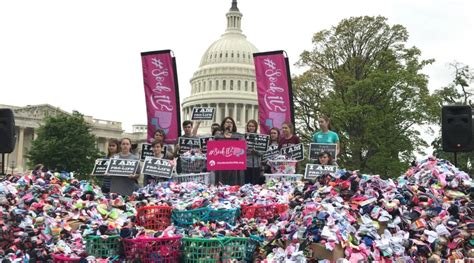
(226,155)
(274,92)
(161,94)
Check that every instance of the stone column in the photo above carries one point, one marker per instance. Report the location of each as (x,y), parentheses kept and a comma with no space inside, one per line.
(256,112)
(218,113)
(19,156)
(251,113)
(226,113)
(106,145)
(35,135)
(234,113)
(242,114)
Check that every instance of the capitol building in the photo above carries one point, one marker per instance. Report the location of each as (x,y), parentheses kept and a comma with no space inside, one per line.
(225,79)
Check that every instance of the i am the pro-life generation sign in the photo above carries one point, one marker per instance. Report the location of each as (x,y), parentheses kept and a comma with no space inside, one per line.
(271,152)
(204,141)
(257,142)
(100,167)
(146,151)
(313,171)
(317,148)
(295,152)
(188,143)
(122,167)
(202,114)
(157,167)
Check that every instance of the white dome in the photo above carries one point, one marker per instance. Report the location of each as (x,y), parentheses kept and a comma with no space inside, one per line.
(225,79)
(230,48)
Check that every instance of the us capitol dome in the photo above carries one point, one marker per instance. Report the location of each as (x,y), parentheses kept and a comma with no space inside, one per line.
(225,79)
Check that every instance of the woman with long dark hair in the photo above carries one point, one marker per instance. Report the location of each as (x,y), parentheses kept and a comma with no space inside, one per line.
(325,158)
(273,144)
(112,149)
(274,136)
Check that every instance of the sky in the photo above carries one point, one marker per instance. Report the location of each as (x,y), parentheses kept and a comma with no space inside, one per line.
(85,55)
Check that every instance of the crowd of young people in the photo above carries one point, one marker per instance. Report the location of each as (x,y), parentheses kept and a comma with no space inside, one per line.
(227,129)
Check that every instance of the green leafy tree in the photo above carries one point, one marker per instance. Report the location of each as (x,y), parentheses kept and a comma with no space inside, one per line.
(65,143)
(362,76)
(458,92)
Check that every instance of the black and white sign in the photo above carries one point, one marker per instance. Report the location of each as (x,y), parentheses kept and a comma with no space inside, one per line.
(271,152)
(186,144)
(100,166)
(258,142)
(316,148)
(295,152)
(122,167)
(157,167)
(147,151)
(313,171)
(204,141)
(204,114)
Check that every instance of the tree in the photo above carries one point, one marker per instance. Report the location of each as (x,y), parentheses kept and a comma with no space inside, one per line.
(361,75)
(65,143)
(457,92)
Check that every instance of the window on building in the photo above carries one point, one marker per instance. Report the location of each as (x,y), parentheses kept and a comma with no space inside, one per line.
(253,86)
(223,85)
(238,85)
(246,86)
(217,85)
(231,85)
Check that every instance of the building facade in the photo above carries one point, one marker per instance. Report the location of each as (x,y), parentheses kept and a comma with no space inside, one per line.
(225,79)
(28,119)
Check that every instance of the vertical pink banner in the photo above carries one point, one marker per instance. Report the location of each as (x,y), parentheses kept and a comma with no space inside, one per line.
(275,98)
(161,94)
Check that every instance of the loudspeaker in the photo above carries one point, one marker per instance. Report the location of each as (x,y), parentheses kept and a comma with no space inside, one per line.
(456,128)
(7,131)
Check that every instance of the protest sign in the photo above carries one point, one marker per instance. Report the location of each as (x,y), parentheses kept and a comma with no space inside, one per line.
(122,167)
(157,167)
(226,155)
(202,114)
(295,152)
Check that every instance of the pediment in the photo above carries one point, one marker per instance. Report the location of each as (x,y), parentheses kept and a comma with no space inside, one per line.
(39,111)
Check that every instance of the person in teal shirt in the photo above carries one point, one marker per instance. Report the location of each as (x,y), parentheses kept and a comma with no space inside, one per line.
(325,135)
